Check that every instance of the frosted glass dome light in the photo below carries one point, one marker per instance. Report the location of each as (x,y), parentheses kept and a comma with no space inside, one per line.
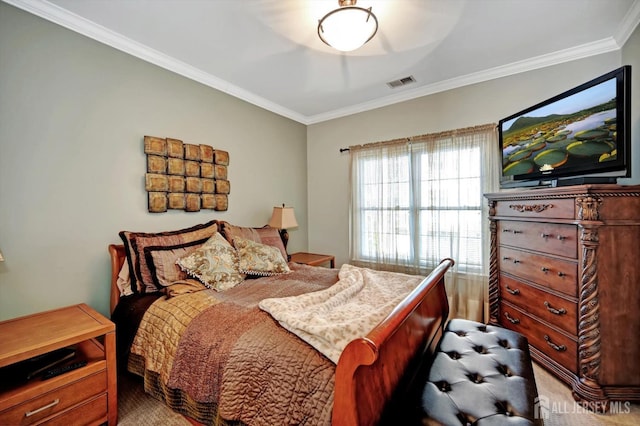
(348,27)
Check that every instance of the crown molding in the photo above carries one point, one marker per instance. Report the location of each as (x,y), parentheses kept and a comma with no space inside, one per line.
(542,61)
(629,24)
(76,23)
(62,17)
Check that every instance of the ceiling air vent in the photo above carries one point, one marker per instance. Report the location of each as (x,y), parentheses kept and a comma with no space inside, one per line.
(401,82)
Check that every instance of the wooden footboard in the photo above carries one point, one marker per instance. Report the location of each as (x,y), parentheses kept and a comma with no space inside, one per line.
(370,368)
(118,255)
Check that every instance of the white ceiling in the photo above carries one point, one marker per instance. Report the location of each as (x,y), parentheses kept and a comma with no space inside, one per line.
(267,52)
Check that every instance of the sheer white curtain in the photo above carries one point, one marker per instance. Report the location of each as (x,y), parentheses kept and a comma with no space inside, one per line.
(380,207)
(418,200)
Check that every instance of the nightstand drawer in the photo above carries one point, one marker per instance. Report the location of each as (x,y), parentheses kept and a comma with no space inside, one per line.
(55,401)
(93,412)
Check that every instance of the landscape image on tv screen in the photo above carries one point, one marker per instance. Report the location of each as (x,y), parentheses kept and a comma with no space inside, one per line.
(574,131)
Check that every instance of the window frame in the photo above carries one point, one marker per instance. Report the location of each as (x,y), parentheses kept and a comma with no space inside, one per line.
(414,211)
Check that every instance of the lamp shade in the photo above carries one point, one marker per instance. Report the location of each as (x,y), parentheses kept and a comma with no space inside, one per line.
(348,27)
(283,218)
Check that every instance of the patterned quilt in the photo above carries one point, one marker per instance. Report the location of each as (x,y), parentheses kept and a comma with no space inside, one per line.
(218,358)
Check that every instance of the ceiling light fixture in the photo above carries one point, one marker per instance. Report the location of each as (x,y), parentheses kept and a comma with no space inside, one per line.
(348,27)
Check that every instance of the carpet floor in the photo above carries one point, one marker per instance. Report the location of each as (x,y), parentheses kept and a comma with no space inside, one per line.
(136,408)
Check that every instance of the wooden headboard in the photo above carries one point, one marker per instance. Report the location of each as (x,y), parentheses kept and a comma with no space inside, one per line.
(118,255)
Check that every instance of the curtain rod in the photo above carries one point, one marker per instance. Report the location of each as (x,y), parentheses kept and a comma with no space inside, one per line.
(401,140)
(430,135)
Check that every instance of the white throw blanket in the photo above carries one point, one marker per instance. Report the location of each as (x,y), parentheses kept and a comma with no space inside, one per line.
(329,319)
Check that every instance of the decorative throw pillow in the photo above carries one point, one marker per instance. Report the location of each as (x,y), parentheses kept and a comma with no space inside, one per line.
(135,242)
(265,235)
(215,264)
(259,259)
(161,261)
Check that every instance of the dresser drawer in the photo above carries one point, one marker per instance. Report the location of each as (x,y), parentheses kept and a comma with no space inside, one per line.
(560,275)
(553,343)
(563,208)
(560,312)
(553,238)
(55,401)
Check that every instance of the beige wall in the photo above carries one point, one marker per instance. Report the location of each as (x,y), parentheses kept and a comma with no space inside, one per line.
(73,113)
(488,102)
(72,116)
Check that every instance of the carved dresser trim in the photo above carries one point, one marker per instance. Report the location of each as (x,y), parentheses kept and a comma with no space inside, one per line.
(537,208)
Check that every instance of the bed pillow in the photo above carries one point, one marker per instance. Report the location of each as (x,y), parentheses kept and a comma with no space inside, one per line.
(162,262)
(259,259)
(265,235)
(215,264)
(135,242)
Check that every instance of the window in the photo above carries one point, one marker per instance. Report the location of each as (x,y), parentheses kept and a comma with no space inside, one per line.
(435,195)
(417,201)
(385,211)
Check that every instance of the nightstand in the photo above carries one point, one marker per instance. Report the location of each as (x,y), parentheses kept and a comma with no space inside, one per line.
(313,259)
(83,396)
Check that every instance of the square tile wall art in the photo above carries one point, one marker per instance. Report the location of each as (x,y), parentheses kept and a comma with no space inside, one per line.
(183,176)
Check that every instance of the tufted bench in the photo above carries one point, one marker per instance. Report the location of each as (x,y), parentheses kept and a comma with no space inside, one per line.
(480,375)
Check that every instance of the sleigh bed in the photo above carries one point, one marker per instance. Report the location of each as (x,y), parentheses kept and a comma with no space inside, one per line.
(218,358)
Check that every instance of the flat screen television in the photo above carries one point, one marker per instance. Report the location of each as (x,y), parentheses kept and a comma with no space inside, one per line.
(580,136)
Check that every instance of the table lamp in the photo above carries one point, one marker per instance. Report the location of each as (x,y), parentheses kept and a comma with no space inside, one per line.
(283,218)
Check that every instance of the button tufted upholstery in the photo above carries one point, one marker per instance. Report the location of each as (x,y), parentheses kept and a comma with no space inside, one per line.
(481,375)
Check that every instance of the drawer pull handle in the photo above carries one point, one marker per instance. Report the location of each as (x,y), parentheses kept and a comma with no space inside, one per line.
(506,258)
(544,269)
(513,291)
(511,319)
(52,404)
(560,348)
(543,235)
(561,237)
(562,274)
(506,230)
(515,231)
(516,261)
(560,311)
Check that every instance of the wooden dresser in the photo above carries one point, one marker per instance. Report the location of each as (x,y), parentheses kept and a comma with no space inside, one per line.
(83,396)
(565,272)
